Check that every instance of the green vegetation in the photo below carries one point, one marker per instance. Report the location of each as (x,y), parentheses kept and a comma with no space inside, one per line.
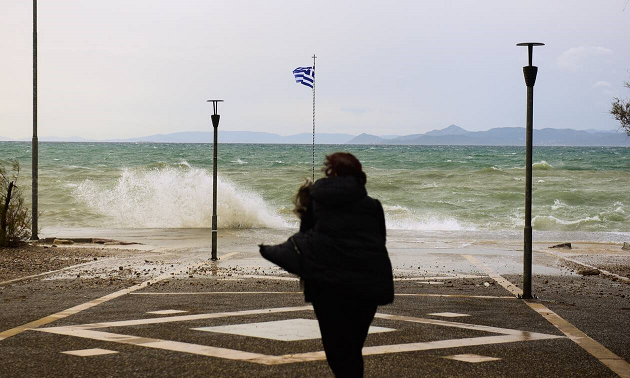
(15,219)
(621,111)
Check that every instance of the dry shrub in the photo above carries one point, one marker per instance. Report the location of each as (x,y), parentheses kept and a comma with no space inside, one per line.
(621,111)
(18,217)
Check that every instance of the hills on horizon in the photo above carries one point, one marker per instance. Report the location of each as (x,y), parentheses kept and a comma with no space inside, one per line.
(451,135)
(503,136)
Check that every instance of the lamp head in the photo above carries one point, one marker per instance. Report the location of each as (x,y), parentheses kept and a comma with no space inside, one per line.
(214,105)
(530,48)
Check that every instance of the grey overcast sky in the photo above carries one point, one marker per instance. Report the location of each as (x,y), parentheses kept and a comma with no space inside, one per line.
(119,69)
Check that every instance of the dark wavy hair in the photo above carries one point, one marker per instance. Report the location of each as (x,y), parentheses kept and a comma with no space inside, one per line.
(302,199)
(344,164)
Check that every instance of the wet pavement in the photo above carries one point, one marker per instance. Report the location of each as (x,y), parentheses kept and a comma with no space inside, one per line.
(171,312)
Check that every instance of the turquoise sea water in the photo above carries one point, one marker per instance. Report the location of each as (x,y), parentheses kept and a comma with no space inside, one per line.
(421,187)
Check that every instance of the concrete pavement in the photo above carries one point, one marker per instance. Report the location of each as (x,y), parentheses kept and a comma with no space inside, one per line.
(455,314)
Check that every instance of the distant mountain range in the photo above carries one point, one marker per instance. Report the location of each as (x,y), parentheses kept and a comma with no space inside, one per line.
(225,136)
(452,135)
(502,136)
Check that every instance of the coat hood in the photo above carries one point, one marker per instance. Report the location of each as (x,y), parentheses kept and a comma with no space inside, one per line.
(338,190)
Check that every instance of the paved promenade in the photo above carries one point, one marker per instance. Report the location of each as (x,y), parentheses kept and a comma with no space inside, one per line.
(455,314)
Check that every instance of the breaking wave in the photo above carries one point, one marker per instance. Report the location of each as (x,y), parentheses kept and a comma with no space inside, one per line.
(542,166)
(175,198)
(551,223)
(402,218)
(603,219)
(493,169)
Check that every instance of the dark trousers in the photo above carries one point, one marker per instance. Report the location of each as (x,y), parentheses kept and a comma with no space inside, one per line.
(344,326)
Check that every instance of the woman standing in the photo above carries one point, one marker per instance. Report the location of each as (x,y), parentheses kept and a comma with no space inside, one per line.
(347,272)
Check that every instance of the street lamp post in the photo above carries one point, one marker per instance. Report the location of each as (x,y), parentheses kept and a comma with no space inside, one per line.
(34,143)
(529,72)
(215,123)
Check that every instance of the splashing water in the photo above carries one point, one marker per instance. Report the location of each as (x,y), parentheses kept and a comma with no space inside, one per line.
(175,198)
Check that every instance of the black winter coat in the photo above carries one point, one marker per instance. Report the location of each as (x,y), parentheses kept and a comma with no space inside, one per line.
(347,257)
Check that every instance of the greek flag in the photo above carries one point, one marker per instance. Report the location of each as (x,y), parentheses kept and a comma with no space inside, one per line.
(304,75)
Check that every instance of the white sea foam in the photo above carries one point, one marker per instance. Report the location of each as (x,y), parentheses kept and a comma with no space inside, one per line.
(557,204)
(493,169)
(548,222)
(539,166)
(616,215)
(401,218)
(542,166)
(619,207)
(238,161)
(175,198)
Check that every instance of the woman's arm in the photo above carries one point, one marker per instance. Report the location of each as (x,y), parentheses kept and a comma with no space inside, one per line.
(382,220)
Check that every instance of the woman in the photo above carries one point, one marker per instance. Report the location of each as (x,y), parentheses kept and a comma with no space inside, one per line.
(346,270)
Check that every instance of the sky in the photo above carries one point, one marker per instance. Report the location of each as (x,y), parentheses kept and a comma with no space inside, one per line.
(122,69)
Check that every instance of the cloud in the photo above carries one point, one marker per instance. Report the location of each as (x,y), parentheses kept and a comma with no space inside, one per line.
(574,58)
(607,88)
(600,83)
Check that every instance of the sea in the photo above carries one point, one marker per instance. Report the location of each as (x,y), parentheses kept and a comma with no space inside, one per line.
(422,188)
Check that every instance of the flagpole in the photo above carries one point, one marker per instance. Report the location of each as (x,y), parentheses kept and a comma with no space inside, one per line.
(314,116)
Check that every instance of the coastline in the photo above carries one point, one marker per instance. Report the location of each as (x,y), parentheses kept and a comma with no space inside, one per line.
(407,248)
(413,254)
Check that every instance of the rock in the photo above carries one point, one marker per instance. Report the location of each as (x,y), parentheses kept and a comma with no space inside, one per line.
(62,241)
(120,268)
(589,272)
(626,246)
(563,245)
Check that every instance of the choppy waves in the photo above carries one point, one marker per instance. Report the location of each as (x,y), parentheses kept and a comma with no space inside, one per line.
(175,198)
(423,188)
(601,220)
(181,197)
(402,218)
(178,196)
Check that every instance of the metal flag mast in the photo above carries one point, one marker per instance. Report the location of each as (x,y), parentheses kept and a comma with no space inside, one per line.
(314,57)
(306,76)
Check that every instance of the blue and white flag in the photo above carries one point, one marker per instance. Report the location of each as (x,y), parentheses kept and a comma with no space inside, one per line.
(304,75)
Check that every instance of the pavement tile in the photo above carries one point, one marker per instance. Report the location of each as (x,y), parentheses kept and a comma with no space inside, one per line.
(89,352)
(284,330)
(448,314)
(166,312)
(473,358)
